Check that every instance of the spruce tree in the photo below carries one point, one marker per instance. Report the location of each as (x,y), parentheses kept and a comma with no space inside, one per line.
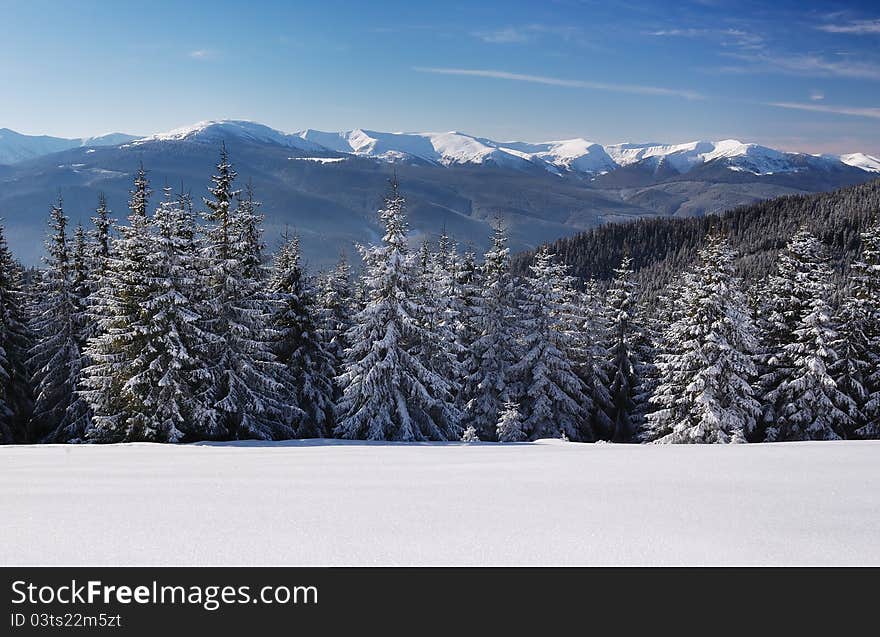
(626,345)
(802,397)
(245,394)
(55,359)
(705,393)
(162,379)
(865,295)
(335,311)
(491,347)
(553,397)
(299,346)
(390,392)
(510,426)
(121,335)
(16,401)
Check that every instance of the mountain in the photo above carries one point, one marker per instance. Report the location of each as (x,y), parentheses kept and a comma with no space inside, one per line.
(327,185)
(15,147)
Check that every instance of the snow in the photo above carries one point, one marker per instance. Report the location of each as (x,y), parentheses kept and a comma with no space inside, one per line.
(320,160)
(863,161)
(212,131)
(356,503)
(753,158)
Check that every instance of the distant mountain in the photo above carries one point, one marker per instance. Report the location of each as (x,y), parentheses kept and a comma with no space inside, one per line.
(327,186)
(15,147)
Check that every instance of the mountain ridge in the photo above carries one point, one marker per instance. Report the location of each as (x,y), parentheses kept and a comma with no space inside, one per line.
(578,155)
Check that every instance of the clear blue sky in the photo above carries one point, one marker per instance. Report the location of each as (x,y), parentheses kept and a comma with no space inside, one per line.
(797,75)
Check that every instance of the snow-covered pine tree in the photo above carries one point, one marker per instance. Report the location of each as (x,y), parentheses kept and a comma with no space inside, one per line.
(335,309)
(299,346)
(866,294)
(801,396)
(162,384)
(56,359)
(245,393)
(510,426)
(470,435)
(492,348)
(626,344)
(121,334)
(103,225)
(554,399)
(440,315)
(16,401)
(705,393)
(389,391)
(584,323)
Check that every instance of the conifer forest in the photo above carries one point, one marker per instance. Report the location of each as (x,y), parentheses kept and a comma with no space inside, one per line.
(177,326)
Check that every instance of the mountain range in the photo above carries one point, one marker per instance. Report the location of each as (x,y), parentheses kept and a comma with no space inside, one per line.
(327,185)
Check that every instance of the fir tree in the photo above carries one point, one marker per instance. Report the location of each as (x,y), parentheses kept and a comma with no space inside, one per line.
(865,295)
(470,435)
(56,359)
(245,393)
(510,426)
(16,401)
(626,345)
(335,309)
(491,346)
(389,390)
(803,398)
(162,379)
(554,398)
(121,335)
(299,346)
(705,393)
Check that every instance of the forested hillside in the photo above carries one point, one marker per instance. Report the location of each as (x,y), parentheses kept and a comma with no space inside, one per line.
(660,248)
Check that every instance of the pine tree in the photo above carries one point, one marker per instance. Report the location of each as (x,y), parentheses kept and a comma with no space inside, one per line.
(491,346)
(510,426)
(121,335)
(389,390)
(865,295)
(705,392)
(103,223)
(803,398)
(245,393)
(55,359)
(299,346)
(626,344)
(335,309)
(162,379)
(16,401)
(554,398)
(470,435)
(584,324)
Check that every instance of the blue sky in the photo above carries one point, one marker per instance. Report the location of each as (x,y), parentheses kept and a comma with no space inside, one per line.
(796,75)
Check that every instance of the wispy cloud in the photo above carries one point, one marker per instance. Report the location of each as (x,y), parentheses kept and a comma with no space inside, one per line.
(554,81)
(816,95)
(528,33)
(854,111)
(857,27)
(202,54)
(807,65)
(739,38)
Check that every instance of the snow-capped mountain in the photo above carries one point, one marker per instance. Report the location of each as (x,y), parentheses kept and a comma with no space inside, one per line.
(576,156)
(16,147)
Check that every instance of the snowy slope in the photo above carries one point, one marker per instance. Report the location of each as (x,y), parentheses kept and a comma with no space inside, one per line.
(453,148)
(860,160)
(16,147)
(215,131)
(334,502)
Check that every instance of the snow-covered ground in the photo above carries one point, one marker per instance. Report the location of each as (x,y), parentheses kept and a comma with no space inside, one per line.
(332,502)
